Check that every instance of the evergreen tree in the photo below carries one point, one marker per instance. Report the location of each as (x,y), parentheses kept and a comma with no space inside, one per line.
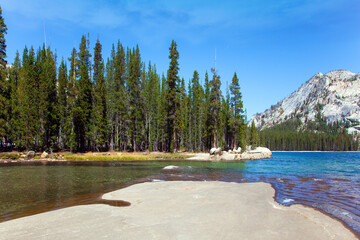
(151,95)
(121,97)
(238,124)
(195,95)
(71,97)
(215,106)
(206,124)
(172,98)
(136,111)
(82,112)
(63,104)
(3,78)
(13,111)
(253,135)
(182,114)
(162,115)
(28,100)
(100,107)
(225,116)
(48,112)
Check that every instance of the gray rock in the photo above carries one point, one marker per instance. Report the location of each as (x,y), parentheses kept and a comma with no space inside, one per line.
(215,151)
(44,155)
(29,155)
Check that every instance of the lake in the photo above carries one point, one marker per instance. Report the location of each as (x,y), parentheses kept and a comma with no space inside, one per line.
(327,181)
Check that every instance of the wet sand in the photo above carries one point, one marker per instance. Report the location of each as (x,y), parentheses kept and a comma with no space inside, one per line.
(182,210)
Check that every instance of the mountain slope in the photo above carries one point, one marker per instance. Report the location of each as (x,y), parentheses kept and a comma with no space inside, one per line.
(337,92)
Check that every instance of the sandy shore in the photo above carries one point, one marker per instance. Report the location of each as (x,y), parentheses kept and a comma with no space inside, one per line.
(182,210)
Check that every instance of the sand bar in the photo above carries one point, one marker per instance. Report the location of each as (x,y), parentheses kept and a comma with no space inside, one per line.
(182,210)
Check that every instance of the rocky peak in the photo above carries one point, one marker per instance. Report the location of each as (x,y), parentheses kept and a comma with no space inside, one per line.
(337,91)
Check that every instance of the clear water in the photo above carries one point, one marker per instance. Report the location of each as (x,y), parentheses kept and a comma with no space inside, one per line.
(327,181)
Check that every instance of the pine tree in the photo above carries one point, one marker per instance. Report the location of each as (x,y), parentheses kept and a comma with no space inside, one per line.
(13,106)
(195,95)
(121,97)
(207,119)
(253,135)
(135,101)
(172,97)
(215,106)
(3,79)
(151,94)
(71,97)
(182,114)
(225,116)
(63,104)
(82,112)
(162,115)
(100,107)
(28,100)
(48,112)
(238,124)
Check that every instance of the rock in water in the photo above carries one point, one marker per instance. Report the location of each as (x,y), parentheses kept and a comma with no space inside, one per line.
(171,167)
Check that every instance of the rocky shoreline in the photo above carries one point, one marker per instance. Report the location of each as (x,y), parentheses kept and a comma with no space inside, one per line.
(258,153)
(44,158)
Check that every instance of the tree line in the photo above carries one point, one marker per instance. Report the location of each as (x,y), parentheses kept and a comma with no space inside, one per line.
(317,135)
(85,103)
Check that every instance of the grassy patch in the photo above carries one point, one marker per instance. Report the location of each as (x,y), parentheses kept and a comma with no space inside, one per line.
(123,157)
(11,156)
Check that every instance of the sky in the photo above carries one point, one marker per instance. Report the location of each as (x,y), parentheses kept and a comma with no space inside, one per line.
(274,46)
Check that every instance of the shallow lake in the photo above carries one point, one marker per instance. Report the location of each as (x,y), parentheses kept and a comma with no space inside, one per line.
(327,181)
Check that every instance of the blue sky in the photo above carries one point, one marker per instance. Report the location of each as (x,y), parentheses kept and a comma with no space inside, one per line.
(274,46)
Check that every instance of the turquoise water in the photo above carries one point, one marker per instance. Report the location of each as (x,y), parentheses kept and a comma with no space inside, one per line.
(327,181)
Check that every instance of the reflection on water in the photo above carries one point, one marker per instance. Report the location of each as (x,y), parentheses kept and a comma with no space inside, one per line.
(328,181)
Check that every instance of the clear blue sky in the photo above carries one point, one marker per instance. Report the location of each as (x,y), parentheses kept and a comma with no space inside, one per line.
(274,46)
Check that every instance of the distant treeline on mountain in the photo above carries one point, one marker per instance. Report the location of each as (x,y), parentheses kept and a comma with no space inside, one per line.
(318,135)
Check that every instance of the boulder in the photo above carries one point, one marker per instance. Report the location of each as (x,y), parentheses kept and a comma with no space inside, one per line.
(263,150)
(44,155)
(238,150)
(29,155)
(215,151)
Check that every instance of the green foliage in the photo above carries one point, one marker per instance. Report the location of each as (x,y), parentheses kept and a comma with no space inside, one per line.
(292,135)
(120,105)
(172,97)
(215,106)
(136,112)
(237,107)
(253,135)
(84,101)
(63,105)
(100,107)
(4,100)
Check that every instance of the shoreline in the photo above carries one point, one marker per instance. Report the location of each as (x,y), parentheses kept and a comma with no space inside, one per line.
(152,156)
(207,203)
(317,209)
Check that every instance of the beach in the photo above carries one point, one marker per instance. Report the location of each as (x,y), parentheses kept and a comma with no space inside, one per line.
(182,210)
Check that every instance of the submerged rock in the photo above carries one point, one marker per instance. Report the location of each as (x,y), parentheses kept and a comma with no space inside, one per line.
(172,167)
